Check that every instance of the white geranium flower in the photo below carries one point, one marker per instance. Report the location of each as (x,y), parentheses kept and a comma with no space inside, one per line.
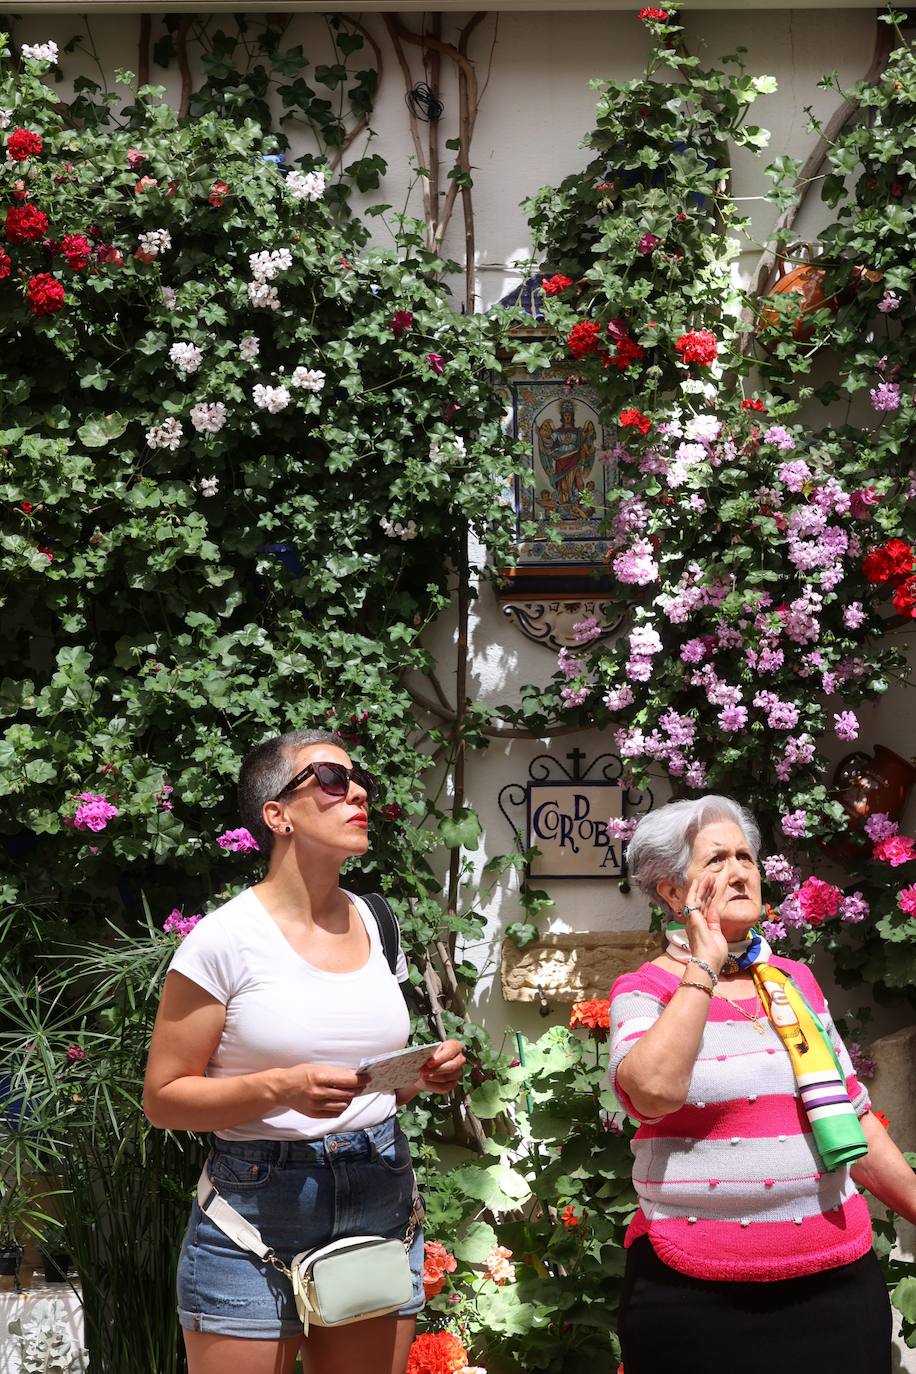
(703,427)
(155,241)
(169,297)
(209,486)
(187,357)
(165,435)
(396,530)
(40,52)
(263,296)
(249,346)
(208,417)
(305,185)
(271,398)
(5,117)
(309,379)
(266,264)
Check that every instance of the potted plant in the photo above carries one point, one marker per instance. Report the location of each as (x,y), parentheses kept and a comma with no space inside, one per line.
(21,1215)
(45,1346)
(55,1257)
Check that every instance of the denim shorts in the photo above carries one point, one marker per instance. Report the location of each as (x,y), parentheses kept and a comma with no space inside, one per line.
(299,1194)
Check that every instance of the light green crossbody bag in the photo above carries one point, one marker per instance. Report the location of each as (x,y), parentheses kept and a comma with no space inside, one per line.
(346,1281)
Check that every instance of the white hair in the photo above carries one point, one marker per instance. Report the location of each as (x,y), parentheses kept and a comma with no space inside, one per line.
(662,842)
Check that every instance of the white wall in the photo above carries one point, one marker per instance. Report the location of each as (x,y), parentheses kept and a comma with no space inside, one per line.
(536,107)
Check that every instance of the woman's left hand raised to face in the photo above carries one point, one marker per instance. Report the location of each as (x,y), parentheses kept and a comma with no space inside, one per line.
(442,1070)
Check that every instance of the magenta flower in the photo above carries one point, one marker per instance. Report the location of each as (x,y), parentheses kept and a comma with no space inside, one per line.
(863,1064)
(75,1055)
(574,696)
(846,725)
(854,616)
(733,717)
(619,698)
(239,841)
(780,437)
(647,244)
(906,900)
(885,397)
(177,924)
(436,363)
(895,850)
(773,930)
(880,827)
(636,565)
(889,302)
(794,823)
(400,322)
(95,812)
(620,829)
(862,502)
(854,908)
(817,900)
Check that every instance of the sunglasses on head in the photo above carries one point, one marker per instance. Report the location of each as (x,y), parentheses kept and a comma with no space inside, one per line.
(334,780)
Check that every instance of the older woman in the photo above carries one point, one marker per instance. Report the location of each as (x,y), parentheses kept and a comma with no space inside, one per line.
(750,1251)
(268,1008)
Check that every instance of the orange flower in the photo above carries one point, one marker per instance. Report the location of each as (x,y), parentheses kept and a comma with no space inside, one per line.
(594,1016)
(436,1264)
(436,1352)
(569,1218)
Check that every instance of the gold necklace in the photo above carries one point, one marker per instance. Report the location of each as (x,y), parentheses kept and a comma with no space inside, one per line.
(753,1016)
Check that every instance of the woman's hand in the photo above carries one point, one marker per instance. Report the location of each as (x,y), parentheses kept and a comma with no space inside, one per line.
(320,1090)
(704,934)
(441,1072)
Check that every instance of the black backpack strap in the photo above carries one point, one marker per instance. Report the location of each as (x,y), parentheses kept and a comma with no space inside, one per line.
(388,928)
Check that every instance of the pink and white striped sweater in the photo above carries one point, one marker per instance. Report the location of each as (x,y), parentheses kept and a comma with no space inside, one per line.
(730,1186)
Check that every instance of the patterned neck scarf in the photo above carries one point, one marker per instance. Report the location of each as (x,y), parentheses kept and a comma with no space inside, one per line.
(821,1085)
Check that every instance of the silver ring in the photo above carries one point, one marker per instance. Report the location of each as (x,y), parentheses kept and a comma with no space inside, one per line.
(689,909)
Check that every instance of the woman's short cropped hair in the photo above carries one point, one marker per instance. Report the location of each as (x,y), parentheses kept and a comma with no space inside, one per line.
(265,770)
(662,842)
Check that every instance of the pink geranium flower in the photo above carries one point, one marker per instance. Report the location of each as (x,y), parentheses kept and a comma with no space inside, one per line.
(818,900)
(894,850)
(239,841)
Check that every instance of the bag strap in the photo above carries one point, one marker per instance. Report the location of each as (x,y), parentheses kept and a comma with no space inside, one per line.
(388,928)
(248,1237)
(232,1223)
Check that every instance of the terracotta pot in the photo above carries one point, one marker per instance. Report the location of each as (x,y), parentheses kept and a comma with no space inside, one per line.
(864,785)
(806,284)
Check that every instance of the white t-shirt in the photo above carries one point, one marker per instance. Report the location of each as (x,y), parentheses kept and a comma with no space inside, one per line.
(281,1011)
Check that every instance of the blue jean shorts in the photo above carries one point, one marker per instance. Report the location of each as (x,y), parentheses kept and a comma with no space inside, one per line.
(299,1194)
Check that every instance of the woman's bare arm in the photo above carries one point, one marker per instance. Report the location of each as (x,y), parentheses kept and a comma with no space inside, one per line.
(177,1096)
(884,1171)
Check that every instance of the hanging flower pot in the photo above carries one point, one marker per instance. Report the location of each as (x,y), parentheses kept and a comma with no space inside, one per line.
(800,291)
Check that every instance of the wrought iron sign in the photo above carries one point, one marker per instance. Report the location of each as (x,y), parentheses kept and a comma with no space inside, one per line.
(563,813)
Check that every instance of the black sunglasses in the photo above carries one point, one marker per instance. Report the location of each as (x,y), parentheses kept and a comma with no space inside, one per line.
(334,780)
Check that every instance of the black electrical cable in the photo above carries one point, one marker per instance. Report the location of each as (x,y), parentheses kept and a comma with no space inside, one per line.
(424,104)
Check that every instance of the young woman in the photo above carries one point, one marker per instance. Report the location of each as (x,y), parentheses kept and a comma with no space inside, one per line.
(269,1005)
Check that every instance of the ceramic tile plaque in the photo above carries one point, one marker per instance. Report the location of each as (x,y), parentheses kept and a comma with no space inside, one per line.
(567,822)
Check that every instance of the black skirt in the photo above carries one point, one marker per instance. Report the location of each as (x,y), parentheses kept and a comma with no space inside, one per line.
(834,1322)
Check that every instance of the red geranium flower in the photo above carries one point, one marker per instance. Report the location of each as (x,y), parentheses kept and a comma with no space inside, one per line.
(582,339)
(47,552)
(25,507)
(552,286)
(436,1352)
(648,13)
(754,404)
(400,321)
(5,264)
(218,193)
(436,363)
(392,811)
(628,351)
(45,294)
(569,1218)
(76,248)
(892,562)
(905,598)
(634,419)
(145,184)
(22,143)
(135,158)
(697,346)
(25,224)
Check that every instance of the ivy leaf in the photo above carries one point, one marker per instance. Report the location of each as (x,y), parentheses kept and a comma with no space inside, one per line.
(463,832)
(101,429)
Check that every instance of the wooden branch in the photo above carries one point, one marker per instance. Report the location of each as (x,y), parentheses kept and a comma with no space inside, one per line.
(363,123)
(396,33)
(184,65)
(434,81)
(815,160)
(431,982)
(461,705)
(468,111)
(446,713)
(143,50)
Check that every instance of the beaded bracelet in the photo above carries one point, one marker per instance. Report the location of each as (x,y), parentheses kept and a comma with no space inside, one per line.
(707,968)
(699,986)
